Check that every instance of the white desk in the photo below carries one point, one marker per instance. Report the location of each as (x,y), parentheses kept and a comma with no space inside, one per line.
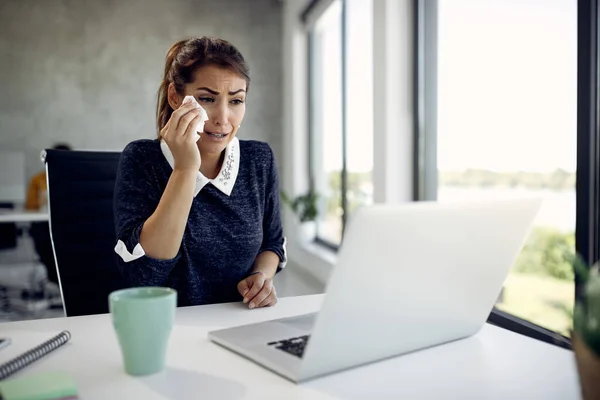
(22,216)
(494,364)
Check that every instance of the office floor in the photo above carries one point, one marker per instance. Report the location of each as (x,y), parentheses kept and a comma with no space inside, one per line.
(21,274)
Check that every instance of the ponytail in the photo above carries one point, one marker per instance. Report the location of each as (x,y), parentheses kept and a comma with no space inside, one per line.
(163,108)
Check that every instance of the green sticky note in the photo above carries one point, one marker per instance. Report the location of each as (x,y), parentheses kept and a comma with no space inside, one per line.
(42,386)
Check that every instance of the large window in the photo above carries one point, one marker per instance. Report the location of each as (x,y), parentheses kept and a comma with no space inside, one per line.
(502,122)
(507,127)
(341,113)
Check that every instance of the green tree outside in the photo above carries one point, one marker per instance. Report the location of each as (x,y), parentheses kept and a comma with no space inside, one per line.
(548,251)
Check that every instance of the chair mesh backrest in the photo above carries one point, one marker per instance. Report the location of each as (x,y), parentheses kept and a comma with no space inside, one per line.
(80,193)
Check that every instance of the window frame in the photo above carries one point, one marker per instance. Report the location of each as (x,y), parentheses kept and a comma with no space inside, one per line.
(587,226)
(311,113)
(587,236)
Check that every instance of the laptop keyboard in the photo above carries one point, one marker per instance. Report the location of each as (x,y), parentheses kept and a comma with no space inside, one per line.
(294,346)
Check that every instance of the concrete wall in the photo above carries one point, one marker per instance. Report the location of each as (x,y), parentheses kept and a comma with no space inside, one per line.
(86,71)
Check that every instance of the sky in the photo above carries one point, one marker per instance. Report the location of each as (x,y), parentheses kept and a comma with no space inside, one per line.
(506,85)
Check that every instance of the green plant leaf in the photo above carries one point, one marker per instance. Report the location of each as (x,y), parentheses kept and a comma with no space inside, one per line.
(304,206)
(586,316)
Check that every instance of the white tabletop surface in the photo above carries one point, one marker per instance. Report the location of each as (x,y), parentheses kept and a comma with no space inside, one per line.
(494,364)
(7,215)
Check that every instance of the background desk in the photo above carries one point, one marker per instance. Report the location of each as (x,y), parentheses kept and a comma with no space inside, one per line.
(494,364)
(22,216)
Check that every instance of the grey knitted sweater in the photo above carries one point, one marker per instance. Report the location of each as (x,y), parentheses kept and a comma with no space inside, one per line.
(224,232)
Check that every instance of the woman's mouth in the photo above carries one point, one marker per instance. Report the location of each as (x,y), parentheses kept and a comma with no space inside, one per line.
(216,135)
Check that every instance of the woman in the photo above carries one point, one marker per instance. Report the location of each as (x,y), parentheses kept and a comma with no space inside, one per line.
(201,216)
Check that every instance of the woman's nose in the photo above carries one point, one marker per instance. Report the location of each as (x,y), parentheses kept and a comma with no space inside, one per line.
(219,116)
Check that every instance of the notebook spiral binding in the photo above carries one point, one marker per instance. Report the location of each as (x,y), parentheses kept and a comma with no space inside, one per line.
(20,362)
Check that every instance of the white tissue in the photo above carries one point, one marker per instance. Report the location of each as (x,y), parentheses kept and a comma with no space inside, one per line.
(203,115)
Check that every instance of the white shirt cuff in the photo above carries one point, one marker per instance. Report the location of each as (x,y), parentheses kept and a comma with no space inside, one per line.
(283,263)
(122,251)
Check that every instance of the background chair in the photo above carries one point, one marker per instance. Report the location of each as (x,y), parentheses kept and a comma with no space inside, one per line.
(80,202)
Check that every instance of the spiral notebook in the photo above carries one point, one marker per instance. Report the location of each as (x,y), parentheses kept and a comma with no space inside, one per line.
(23,360)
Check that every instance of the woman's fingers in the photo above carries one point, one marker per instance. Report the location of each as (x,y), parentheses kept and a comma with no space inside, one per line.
(175,133)
(185,122)
(190,132)
(270,300)
(179,114)
(243,287)
(258,291)
(255,285)
(262,295)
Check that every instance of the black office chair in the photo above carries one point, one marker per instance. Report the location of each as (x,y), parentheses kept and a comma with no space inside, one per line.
(80,202)
(8,231)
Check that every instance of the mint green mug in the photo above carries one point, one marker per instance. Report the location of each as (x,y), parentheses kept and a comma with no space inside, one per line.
(143,318)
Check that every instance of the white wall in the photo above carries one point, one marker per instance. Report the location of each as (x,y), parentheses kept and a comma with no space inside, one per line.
(393,114)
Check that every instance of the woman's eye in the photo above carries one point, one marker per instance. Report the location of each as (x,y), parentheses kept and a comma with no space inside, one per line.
(237,101)
(206,99)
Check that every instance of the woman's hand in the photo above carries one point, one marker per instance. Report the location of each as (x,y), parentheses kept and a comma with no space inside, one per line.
(180,135)
(258,291)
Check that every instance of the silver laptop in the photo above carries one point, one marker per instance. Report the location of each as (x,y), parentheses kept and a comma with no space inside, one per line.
(408,277)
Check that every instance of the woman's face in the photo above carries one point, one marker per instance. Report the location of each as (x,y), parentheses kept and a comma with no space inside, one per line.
(222,93)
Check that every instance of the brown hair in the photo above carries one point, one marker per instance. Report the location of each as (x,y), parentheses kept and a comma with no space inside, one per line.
(185,57)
